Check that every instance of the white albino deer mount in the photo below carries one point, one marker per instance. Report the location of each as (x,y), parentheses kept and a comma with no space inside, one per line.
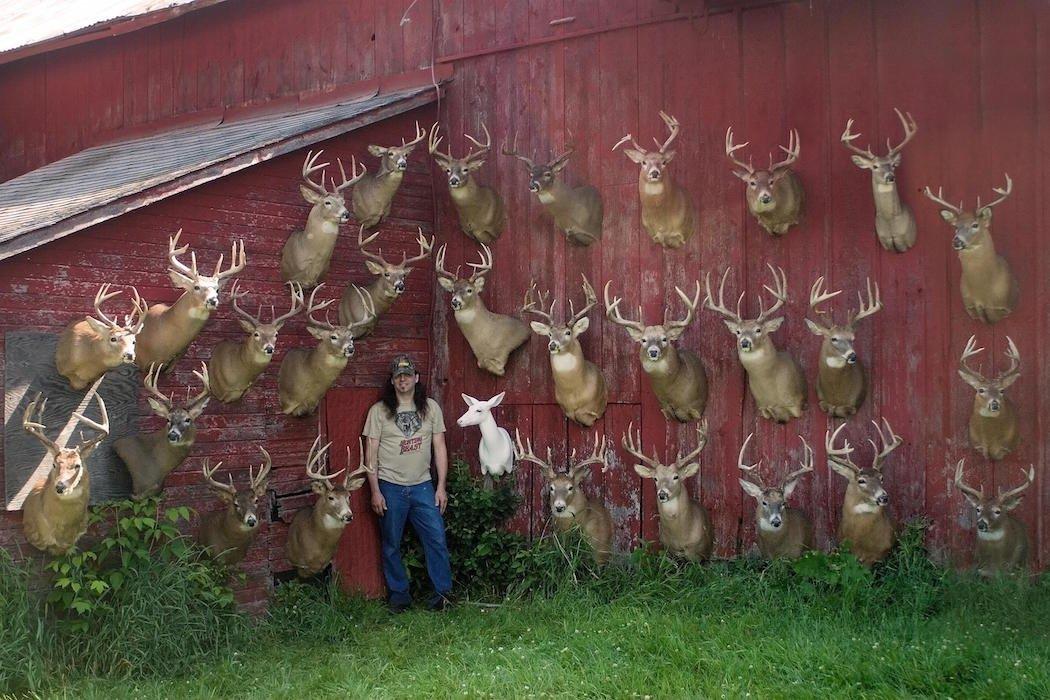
(774,196)
(496,449)
(88,348)
(54,513)
(307,253)
(373,194)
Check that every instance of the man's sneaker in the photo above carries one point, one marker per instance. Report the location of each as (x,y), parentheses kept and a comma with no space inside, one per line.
(440,604)
(397,607)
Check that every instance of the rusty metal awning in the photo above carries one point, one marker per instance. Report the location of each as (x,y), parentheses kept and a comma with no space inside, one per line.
(106,181)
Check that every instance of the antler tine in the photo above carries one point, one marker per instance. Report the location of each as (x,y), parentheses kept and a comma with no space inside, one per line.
(421,134)
(311,166)
(177,266)
(939,199)
(632,442)
(805,464)
(298,302)
(720,307)
(529,303)
(888,446)
(625,139)
(481,269)
(102,427)
(134,321)
(672,125)
(792,151)
(354,175)
(1012,493)
(690,305)
(312,308)
(780,293)
(874,304)
(102,296)
(1015,360)
(731,149)
(839,455)
(612,310)
(524,453)
(818,295)
(209,478)
(910,129)
(434,141)
(847,140)
(362,468)
(425,248)
(969,351)
(439,264)
(205,392)
(701,442)
(485,147)
(257,483)
(237,262)
(33,423)
(316,463)
(598,456)
(590,299)
(368,303)
(751,469)
(361,243)
(558,160)
(236,294)
(512,151)
(1002,192)
(962,486)
(150,382)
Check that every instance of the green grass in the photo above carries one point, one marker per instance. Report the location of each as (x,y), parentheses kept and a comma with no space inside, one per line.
(651,628)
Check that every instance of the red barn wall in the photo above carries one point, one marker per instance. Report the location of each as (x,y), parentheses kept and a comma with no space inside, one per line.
(972,73)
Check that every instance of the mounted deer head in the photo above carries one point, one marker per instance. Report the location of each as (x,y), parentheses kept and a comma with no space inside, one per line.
(989,288)
(677,376)
(54,513)
(994,428)
(373,194)
(87,348)
(842,382)
(496,450)
(774,196)
(228,533)
(667,213)
(481,213)
(579,386)
(492,337)
(168,331)
(782,531)
(234,366)
(307,253)
(883,168)
(1002,540)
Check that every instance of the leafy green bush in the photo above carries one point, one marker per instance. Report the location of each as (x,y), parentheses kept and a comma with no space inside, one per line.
(22,629)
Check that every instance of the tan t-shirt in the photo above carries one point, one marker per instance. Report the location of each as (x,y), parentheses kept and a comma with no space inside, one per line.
(404,441)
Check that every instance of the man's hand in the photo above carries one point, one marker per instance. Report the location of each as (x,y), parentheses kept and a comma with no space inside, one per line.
(440,498)
(378,503)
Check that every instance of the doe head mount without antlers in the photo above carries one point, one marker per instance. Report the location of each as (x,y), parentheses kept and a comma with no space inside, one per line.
(480,208)
(994,430)
(774,196)
(667,212)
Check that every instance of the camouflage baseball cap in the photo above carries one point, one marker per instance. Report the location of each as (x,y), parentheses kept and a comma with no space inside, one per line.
(402,364)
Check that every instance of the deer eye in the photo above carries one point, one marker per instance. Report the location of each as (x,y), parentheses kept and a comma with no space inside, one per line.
(758,331)
(862,482)
(256,334)
(552,488)
(569,489)
(333,337)
(386,274)
(663,339)
(112,338)
(448,170)
(982,391)
(753,183)
(765,503)
(997,511)
(975,226)
(196,287)
(979,509)
(737,332)
(676,477)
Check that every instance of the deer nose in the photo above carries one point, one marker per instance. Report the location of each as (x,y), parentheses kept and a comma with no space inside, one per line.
(402,163)
(654,174)
(60,487)
(552,346)
(534,186)
(982,525)
(348,517)
(745,344)
(891,177)
(268,349)
(344,216)
(851,358)
(993,405)
(456,303)
(663,495)
(559,509)
(765,199)
(250,521)
(775,522)
(348,351)
(882,500)
(654,354)
(958,243)
(399,286)
(212,302)
(453,180)
(173,436)
(129,357)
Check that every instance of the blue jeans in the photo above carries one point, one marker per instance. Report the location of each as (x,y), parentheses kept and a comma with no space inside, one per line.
(416,504)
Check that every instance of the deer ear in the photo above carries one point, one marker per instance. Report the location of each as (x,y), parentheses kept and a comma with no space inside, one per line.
(497,399)
(816,328)
(310,195)
(579,474)
(743,175)
(224,496)
(540,328)
(733,326)
(948,215)
(248,327)
(355,484)
(96,325)
(985,214)
(580,326)
(861,162)
(158,408)
(675,333)
(970,499)
(689,469)
(644,471)
(470,400)
(668,156)
(377,151)
(374,267)
(319,333)
(636,335)
(752,490)
(179,281)
(772,324)
(1011,503)
(636,156)
(447,284)
(318,487)
(479,284)
(789,488)
(199,408)
(841,469)
(895,160)
(1009,380)
(475,165)
(969,380)
(558,167)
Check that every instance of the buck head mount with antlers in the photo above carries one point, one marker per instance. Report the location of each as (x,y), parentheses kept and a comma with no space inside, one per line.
(235,365)
(227,533)
(842,381)
(865,521)
(989,288)
(88,348)
(480,208)
(307,374)
(315,531)
(579,386)
(994,430)
(384,290)
(894,220)
(685,526)
(55,512)
(168,330)
(372,194)
(783,532)
(492,337)
(151,457)
(307,253)
(570,506)
(774,196)
(676,375)
(773,376)
(1002,540)
(667,212)
(577,211)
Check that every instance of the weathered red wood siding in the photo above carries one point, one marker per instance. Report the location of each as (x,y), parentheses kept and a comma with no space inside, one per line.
(973,74)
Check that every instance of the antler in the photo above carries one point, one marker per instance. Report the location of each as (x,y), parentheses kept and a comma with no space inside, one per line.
(690,305)
(85,447)
(485,147)
(564,157)
(236,294)
(780,293)
(425,248)
(792,152)
(420,135)
(939,199)
(150,383)
(1013,493)
(751,469)
(34,425)
(512,151)
(805,464)
(597,456)
(701,443)
(874,304)
(818,295)
(361,243)
(362,468)
(355,176)
(209,478)
(910,128)
(481,269)
(847,140)
(839,455)
(1015,361)
(258,483)
(720,307)
(969,351)
(312,307)
(978,494)
(632,442)
(310,166)
(316,463)
(298,303)
(625,139)
(103,295)
(529,303)
(888,446)
(367,302)
(434,141)
(731,149)
(589,298)
(439,265)
(672,125)
(525,454)
(1002,192)
(612,310)
(205,393)
(237,262)
(175,265)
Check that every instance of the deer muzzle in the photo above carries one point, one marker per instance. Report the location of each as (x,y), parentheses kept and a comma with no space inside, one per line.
(553,346)
(663,495)
(212,302)
(653,352)
(882,499)
(776,521)
(851,358)
(958,243)
(454,180)
(457,303)
(402,163)
(268,349)
(534,186)
(348,517)
(251,520)
(982,525)
(348,351)
(745,344)
(994,406)
(399,287)
(765,198)
(654,174)
(128,357)
(174,436)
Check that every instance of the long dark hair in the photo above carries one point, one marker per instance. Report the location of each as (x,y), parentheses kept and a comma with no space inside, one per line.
(419,397)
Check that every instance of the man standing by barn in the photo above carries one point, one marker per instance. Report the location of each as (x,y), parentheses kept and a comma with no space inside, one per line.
(402,428)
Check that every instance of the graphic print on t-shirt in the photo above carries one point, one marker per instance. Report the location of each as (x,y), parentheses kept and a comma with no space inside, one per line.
(411,444)
(408,422)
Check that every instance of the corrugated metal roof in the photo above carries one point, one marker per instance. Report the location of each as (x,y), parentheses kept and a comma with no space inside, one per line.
(28,22)
(105,181)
